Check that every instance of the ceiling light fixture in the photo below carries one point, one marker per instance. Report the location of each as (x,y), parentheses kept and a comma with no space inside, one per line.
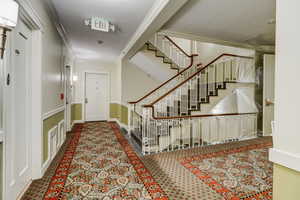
(100,24)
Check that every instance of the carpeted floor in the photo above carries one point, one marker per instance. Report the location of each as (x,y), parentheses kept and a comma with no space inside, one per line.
(97,162)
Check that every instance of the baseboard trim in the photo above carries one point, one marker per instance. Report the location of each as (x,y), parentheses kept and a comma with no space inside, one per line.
(284,158)
(24,190)
(76,122)
(119,123)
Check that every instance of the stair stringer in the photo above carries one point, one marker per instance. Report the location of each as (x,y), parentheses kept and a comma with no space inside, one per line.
(151,64)
(222,103)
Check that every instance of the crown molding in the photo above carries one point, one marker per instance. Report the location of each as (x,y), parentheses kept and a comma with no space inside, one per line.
(28,12)
(52,13)
(159,14)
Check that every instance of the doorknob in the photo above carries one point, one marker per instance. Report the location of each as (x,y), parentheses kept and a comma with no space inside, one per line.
(269,102)
(86,100)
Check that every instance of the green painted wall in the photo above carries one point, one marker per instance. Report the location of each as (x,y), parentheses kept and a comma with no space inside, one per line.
(47,125)
(124,114)
(119,112)
(76,112)
(286,185)
(114,111)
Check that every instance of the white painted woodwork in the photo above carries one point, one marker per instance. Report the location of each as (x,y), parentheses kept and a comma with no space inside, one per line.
(96,96)
(153,66)
(18,141)
(268,93)
(68,97)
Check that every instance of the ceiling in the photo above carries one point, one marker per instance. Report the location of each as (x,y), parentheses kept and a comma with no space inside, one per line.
(127,15)
(238,21)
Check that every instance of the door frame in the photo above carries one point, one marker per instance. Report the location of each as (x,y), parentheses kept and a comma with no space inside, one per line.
(68,124)
(264,96)
(84,86)
(33,21)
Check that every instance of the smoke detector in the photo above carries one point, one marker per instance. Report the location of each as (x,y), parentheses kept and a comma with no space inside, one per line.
(100,24)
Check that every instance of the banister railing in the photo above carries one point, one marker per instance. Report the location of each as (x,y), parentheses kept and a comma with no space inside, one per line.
(169,39)
(167,123)
(173,51)
(164,83)
(160,135)
(205,79)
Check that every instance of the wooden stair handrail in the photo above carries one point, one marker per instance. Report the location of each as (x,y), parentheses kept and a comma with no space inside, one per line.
(176,45)
(164,83)
(180,84)
(201,116)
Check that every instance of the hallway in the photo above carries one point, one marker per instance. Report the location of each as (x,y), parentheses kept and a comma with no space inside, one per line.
(97,162)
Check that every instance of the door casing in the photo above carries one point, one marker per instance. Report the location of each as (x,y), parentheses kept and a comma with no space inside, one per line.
(268,93)
(27,15)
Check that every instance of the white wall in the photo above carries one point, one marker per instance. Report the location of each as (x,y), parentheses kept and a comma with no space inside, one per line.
(135,82)
(184,44)
(287,71)
(209,51)
(82,65)
(52,59)
(153,66)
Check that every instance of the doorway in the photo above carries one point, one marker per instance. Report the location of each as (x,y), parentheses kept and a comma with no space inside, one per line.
(96,96)
(68,97)
(268,93)
(18,171)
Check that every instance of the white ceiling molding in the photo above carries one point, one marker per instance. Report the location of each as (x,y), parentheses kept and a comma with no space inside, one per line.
(159,14)
(51,11)
(27,9)
(200,38)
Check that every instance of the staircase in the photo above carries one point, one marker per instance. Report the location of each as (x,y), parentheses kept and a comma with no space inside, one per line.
(176,114)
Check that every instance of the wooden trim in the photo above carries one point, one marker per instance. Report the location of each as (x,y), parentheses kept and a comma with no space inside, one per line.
(178,47)
(180,84)
(148,94)
(197,116)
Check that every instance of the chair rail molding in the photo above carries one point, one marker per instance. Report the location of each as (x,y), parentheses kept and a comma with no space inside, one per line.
(53,112)
(284,158)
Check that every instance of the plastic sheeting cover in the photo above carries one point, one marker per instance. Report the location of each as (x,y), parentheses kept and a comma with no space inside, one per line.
(239,101)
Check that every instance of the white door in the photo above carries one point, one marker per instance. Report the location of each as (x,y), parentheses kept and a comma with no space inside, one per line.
(68,93)
(18,137)
(96,96)
(268,93)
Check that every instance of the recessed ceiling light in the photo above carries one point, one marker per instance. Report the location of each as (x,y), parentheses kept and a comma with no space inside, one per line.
(99,41)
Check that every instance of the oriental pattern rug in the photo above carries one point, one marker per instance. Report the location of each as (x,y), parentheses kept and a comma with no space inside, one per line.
(97,162)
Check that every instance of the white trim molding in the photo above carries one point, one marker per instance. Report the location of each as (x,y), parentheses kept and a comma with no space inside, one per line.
(53,112)
(1,136)
(284,158)
(51,132)
(28,13)
(159,14)
(52,13)
(76,122)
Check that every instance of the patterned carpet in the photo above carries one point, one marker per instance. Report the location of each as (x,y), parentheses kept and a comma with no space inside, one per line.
(97,162)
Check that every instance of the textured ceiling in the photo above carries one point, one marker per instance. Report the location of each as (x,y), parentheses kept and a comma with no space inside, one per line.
(126,14)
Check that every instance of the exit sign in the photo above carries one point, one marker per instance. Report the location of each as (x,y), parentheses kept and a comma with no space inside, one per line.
(100,24)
